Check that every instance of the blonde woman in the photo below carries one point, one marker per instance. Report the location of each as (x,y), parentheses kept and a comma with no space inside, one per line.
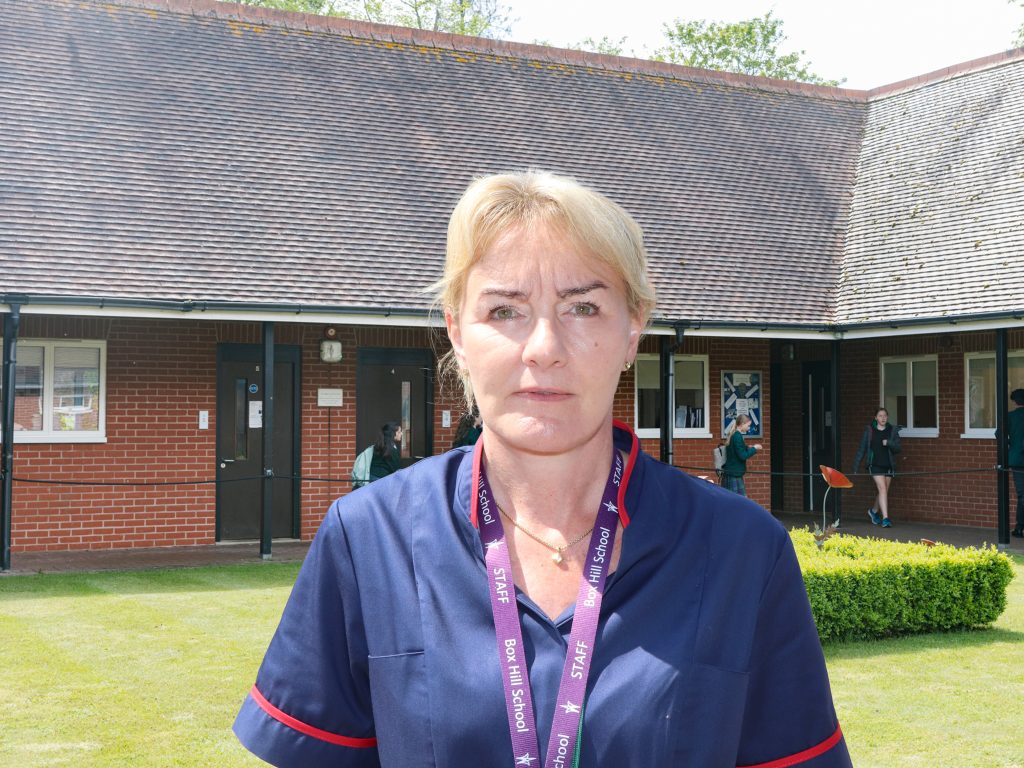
(503,604)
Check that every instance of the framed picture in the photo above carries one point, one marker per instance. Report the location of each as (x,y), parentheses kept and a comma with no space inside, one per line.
(741,393)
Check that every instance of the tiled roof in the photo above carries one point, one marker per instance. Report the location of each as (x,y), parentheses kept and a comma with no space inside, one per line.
(196,150)
(937,222)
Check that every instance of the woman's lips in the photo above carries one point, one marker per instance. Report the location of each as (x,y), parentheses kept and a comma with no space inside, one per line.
(544,393)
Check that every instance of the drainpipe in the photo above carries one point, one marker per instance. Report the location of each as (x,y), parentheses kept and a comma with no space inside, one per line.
(668,389)
(1002,454)
(11,323)
(837,456)
(267,510)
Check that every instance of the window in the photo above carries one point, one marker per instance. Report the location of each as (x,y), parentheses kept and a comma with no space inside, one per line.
(59,391)
(910,392)
(689,402)
(980,390)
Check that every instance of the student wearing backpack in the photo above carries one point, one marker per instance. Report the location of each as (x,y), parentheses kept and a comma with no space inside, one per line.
(381,458)
(736,455)
(386,452)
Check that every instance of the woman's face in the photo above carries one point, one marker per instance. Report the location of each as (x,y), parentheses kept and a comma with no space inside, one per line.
(882,417)
(744,427)
(544,331)
(398,436)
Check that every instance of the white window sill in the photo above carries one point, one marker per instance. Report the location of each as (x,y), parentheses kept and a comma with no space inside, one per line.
(981,434)
(52,437)
(679,434)
(908,432)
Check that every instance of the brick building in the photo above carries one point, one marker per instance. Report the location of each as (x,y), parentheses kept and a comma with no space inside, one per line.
(186,182)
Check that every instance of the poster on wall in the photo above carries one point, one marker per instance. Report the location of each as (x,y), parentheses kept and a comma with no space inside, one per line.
(741,394)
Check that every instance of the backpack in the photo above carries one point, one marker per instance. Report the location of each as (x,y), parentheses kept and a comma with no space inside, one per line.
(718,455)
(361,468)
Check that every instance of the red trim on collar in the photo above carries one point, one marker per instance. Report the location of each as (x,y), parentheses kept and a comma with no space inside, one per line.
(634,450)
(803,757)
(309,730)
(474,496)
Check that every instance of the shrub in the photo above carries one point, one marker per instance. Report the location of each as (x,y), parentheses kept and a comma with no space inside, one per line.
(868,588)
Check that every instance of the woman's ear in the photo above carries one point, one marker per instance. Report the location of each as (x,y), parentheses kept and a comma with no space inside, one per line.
(636,330)
(454,336)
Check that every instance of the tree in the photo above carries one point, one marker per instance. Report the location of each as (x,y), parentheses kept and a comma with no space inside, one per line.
(747,47)
(605,45)
(482,18)
(1020,30)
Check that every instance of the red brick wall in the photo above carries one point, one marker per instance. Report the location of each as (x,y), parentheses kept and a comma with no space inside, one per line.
(694,454)
(160,373)
(961,499)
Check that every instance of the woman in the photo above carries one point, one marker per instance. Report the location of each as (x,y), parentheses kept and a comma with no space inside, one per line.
(473,609)
(386,451)
(736,455)
(880,443)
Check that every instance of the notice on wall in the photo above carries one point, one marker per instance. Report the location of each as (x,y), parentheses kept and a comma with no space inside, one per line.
(742,406)
(255,414)
(329,398)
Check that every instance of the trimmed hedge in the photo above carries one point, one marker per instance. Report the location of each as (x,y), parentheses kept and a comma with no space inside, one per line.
(867,588)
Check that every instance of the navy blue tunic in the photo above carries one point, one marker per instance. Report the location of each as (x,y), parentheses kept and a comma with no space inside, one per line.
(386,654)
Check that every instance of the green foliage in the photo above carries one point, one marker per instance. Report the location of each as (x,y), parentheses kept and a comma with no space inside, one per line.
(870,588)
(482,18)
(748,47)
(1019,40)
(605,45)
(317,7)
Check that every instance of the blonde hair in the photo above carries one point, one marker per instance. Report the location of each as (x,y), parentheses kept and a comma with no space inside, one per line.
(493,205)
(737,422)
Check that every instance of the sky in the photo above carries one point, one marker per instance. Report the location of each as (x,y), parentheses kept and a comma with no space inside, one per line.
(870,43)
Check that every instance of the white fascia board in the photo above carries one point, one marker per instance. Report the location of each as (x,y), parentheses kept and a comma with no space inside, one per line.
(796,334)
(249,316)
(951,326)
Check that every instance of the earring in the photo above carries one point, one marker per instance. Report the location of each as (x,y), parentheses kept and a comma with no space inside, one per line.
(629,364)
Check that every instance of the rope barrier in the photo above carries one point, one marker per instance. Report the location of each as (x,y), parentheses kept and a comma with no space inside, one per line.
(995,468)
(301,479)
(128,483)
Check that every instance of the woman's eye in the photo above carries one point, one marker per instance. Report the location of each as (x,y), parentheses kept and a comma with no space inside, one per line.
(583,309)
(502,313)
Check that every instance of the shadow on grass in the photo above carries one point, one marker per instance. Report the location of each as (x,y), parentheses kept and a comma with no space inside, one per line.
(207,578)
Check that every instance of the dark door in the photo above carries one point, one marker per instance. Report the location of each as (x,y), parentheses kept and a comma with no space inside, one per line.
(817,429)
(396,385)
(240,442)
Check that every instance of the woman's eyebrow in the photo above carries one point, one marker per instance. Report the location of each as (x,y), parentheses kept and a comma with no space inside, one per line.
(579,291)
(505,293)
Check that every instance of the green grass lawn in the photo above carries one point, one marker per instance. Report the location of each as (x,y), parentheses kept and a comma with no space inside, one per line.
(148,669)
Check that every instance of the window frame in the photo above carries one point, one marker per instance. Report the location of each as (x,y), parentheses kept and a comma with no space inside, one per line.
(678,433)
(909,360)
(50,435)
(979,432)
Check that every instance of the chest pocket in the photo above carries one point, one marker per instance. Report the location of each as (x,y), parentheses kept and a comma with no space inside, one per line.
(401,710)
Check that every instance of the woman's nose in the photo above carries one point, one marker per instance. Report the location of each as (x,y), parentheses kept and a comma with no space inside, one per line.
(545,346)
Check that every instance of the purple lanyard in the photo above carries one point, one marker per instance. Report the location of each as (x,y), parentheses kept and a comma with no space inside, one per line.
(565,727)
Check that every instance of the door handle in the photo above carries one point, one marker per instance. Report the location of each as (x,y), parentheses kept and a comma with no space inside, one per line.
(225,462)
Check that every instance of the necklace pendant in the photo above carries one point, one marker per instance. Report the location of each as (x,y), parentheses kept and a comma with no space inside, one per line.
(557,557)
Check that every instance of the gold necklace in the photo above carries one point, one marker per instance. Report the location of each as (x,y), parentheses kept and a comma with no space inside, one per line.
(557,557)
